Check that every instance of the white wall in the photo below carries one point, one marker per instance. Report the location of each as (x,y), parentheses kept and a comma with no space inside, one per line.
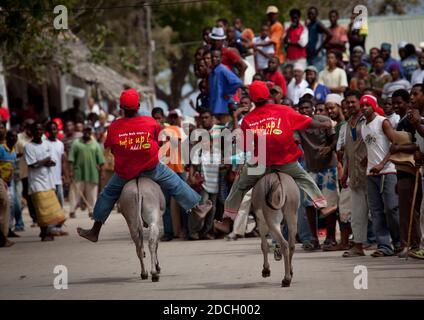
(392,29)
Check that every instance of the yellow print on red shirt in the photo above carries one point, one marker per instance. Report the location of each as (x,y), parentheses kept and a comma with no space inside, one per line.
(135,140)
(267,126)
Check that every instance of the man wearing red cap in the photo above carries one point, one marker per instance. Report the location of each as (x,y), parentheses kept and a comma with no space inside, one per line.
(4,113)
(281,150)
(383,202)
(134,143)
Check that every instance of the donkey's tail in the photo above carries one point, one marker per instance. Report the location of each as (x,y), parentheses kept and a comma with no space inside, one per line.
(139,200)
(276,195)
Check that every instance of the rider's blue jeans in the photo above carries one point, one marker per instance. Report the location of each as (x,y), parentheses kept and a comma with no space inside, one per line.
(167,179)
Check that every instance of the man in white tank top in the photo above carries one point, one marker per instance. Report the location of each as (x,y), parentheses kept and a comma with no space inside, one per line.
(383,202)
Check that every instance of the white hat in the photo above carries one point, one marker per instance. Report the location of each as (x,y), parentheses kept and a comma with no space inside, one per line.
(298,66)
(271,9)
(312,68)
(307,91)
(358,48)
(334,98)
(217,34)
(402,44)
(190,120)
(177,112)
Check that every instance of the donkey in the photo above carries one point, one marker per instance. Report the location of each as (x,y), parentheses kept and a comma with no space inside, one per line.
(142,203)
(276,198)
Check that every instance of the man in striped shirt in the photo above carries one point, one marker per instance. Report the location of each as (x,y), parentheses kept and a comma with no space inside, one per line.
(209,166)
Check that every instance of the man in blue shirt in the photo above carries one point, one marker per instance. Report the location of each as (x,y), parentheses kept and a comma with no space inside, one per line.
(320,90)
(222,85)
(386,51)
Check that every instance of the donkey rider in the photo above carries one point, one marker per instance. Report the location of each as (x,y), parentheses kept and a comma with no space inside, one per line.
(281,151)
(134,143)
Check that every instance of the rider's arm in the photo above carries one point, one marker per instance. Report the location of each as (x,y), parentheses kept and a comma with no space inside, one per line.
(319,125)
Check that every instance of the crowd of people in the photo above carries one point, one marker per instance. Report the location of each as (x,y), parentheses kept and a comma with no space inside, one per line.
(64,155)
(357,164)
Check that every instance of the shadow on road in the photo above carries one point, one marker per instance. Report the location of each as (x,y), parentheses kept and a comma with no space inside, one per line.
(223,286)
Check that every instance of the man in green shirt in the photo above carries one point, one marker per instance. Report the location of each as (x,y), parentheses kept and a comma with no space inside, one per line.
(86,162)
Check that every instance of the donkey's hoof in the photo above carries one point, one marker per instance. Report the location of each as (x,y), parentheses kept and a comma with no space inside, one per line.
(155,278)
(144,276)
(158,269)
(277,254)
(266,273)
(285,283)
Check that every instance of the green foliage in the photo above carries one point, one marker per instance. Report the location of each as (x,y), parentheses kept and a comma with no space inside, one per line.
(117,37)
(28,40)
(129,58)
(96,43)
(186,23)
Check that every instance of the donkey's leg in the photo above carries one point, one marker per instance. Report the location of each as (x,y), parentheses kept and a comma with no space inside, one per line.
(152,220)
(292,246)
(157,259)
(263,231)
(274,228)
(153,245)
(290,214)
(141,254)
(136,231)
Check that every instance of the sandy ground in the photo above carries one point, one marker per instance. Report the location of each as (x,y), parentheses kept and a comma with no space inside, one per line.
(210,270)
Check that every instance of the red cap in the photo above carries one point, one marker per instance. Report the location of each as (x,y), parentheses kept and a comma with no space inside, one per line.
(130,99)
(4,114)
(258,91)
(372,101)
(59,123)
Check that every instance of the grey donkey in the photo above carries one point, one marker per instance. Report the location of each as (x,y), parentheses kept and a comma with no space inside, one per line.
(143,203)
(275,198)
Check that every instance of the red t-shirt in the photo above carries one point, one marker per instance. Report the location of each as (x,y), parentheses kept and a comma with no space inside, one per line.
(134,144)
(229,58)
(278,80)
(279,123)
(4,114)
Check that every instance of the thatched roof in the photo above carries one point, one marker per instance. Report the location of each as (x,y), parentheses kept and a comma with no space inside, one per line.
(109,82)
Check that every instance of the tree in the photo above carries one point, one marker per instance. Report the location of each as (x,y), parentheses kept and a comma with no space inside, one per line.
(32,49)
(29,42)
(394,6)
(114,30)
(186,22)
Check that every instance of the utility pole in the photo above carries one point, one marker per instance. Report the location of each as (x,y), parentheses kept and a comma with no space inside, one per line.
(45,93)
(150,75)
(146,25)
